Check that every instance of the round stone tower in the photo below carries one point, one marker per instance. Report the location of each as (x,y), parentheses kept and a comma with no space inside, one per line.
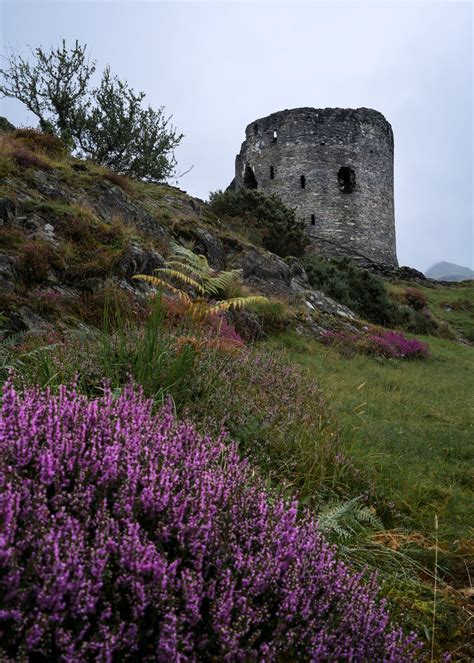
(335,167)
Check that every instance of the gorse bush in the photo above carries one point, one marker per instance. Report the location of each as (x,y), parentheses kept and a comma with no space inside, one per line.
(130,536)
(282,233)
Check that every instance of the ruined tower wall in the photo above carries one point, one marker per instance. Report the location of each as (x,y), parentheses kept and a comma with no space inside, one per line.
(346,159)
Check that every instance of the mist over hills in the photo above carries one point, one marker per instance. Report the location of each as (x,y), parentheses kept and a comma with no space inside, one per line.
(448,271)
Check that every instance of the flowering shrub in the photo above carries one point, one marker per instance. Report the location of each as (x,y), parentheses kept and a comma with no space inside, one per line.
(381,343)
(128,536)
(27,159)
(415,298)
(396,345)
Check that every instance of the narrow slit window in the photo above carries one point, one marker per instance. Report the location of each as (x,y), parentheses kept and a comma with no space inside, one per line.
(313,220)
(303,182)
(346,179)
(255,128)
(275,135)
(272,173)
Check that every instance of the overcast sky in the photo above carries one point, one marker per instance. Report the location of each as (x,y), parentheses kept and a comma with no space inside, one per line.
(216,66)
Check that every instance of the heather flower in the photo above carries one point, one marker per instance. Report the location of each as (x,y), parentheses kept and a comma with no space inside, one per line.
(126,535)
(382,343)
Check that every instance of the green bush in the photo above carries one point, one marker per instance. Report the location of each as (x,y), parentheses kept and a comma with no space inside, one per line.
(282,232)
(357,288)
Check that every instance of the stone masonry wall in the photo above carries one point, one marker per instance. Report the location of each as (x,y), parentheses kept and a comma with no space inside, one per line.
(335,167)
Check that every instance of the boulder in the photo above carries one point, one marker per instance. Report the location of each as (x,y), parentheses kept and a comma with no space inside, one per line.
(139,260)
(299,279)
(7,270)
(317,300)
(210,246)
(24,319)
(259,266)
(110,201)
(7,210)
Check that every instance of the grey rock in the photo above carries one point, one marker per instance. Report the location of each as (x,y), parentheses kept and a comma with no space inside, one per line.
(211,246)
(110,201)
(139,260)
(6,266)
(24,319)
(299,279)
(7,210)
(6,285)
(317,300)
(262,266)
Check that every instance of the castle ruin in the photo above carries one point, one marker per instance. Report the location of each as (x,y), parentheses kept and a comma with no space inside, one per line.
(334,166)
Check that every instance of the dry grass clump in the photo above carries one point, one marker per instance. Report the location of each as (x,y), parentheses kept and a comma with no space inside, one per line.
(119,180)
(40,142)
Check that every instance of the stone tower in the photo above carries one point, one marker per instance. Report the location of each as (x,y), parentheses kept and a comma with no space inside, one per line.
(335,167)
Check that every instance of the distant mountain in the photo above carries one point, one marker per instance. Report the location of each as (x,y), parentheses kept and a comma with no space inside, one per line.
(448,271)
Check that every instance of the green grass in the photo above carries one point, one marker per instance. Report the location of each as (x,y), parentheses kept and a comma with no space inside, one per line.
(454,304)
(409,424)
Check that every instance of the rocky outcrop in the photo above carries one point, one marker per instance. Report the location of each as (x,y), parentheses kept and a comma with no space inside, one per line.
(139,260)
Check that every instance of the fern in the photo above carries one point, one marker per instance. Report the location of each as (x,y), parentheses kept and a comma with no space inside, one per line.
(159,283)
(238,302)
(184,278)
(343,520)
(193,271)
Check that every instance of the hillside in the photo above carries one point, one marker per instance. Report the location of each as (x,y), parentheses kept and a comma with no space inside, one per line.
(448,271)
(346,390)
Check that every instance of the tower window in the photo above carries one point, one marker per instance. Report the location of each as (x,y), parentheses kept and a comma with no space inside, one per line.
(272,173)
(275,135)
(346,179)
(255,129)
(303,182)
(249,179)
(313,220)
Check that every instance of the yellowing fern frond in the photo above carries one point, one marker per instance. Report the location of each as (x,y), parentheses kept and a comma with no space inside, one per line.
(238,302)
(160,283)
(184,278)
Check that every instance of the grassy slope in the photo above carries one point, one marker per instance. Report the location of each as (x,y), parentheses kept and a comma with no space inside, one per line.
(454,304)
(409,424)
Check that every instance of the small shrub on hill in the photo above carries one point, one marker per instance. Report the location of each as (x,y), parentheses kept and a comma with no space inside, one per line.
(39,141)
(129,535)
(353,286)
(11,238)
(282,232)
(118,180)
(8,168)
(274,316)
(25,158)
(415,298)
(34,261)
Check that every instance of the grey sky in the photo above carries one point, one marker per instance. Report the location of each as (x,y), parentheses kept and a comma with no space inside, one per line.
(216,66)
